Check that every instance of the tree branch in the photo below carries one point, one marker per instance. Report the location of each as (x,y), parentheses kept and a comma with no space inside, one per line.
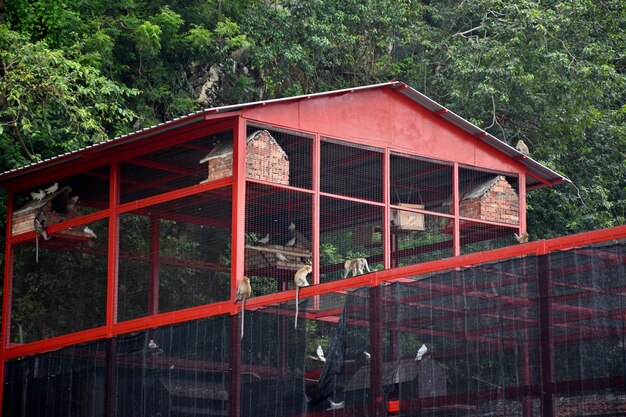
(469,30)
(20,139)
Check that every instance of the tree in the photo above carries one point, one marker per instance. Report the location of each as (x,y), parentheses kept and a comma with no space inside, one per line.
(52,104)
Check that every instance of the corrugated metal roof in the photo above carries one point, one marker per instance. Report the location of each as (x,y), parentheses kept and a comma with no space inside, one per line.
(543,172)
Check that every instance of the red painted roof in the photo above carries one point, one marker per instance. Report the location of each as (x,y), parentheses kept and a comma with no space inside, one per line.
(533,166)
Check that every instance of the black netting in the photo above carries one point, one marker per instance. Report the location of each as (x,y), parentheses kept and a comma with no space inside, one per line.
(530,336)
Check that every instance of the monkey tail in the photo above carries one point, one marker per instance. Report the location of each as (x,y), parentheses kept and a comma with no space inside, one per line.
(295,326)
(367,266)
(243,314)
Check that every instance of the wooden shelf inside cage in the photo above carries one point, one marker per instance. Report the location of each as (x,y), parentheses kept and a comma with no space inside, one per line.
(260,257)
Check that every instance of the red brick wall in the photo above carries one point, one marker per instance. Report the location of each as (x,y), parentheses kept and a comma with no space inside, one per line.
(498,204)
(265,160)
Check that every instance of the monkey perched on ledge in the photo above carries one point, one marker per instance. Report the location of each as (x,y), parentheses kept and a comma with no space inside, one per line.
(244,290)
(300,280)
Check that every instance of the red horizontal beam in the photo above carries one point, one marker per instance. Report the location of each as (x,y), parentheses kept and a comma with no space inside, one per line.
(226,307)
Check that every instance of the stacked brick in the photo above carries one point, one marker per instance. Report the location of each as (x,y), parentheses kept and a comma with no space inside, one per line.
(499,203)
(265,160)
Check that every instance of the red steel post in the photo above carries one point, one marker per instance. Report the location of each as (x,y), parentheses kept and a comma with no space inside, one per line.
(456,233)
(546,346)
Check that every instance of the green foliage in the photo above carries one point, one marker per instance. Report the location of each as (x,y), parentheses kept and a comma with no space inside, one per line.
(52,104)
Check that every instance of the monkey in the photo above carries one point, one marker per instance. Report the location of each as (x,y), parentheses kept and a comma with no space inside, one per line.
(522,148)
(52,188)
(300,279)
(356,265)
(523,238)
(40,229)
(244,290)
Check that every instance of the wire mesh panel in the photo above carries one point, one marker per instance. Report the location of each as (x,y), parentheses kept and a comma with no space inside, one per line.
(62,200)
(420,183)
(470,339)
(176,166)
(530,336)
(177,370)
(349,231)
(279,155)
(67,382)
(424,241)
(175,255)
(272,378)
(587,317)
(59,285)
(351,170)
(278,236)
(488,196)
(476,237)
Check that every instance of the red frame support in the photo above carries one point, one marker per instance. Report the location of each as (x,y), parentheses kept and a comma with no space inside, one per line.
(456,233)
(376,396)
(153,274)
(546,344)
(388,249)
(522,202)
(7,295)
(113,248)
(237,264)
(315,224)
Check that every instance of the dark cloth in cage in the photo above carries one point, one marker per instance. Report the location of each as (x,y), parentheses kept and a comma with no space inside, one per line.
(334,362)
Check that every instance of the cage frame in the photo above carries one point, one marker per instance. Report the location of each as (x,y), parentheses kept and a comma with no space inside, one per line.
(182,130)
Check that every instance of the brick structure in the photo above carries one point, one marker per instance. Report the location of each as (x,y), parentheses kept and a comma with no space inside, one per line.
(265,159)
(494,200)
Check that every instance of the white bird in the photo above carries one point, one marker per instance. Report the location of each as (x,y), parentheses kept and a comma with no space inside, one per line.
(38,195)
(320,354)
(522,148)
(52,188)
(264,240)
(90,232)
(421,352)
(291,242)
(154,347)
(367,356)
(334,405)
(292,227)
(281,257)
